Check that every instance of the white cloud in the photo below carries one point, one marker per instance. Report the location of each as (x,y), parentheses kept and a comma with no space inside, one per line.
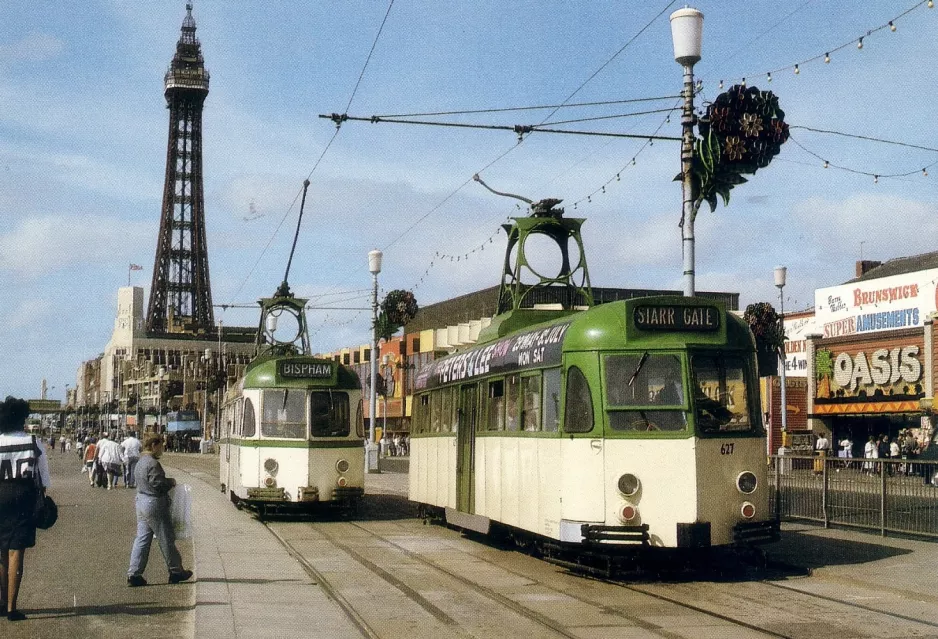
(33,47)
(41,245)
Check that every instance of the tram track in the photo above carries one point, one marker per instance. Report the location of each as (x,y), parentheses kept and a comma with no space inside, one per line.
(513,605)
(714,600)
(679,600)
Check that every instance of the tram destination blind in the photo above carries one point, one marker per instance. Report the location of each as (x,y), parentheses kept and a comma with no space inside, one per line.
(677,318)
(305,370)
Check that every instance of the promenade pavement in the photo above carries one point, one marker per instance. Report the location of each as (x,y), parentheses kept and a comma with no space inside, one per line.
(249,585)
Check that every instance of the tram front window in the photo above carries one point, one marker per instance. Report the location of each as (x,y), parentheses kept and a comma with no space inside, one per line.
(645,392)
(328,414)
(721,396)
(284,414)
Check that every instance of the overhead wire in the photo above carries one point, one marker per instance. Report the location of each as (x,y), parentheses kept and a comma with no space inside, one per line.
(406,231)
(527,108)
(335,134)
(554,110)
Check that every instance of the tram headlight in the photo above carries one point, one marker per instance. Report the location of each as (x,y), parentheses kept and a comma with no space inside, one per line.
(629,484)
(342,482)
(270,482)
(342,465)
(747,510)
(746,482)
(628,512)
(271,466)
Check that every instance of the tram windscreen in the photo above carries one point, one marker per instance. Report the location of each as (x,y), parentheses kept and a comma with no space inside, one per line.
(721,396)
(645,392)
(284,414)
(328,414)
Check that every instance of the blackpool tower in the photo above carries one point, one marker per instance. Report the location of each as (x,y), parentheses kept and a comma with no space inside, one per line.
(180,294)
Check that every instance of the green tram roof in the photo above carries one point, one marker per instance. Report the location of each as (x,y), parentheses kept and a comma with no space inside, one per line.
(298,371)
(530,339)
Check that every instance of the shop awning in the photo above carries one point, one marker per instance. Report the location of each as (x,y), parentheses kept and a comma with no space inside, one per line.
(868,408)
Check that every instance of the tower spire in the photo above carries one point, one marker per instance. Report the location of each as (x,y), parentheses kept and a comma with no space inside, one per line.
(180,295)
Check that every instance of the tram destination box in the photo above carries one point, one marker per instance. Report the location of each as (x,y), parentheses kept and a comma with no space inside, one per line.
(306,368)
(659,315)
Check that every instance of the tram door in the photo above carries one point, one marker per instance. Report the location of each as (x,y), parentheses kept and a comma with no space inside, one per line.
(465,449)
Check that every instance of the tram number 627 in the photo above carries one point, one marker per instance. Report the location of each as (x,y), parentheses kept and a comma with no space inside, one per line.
(726,449)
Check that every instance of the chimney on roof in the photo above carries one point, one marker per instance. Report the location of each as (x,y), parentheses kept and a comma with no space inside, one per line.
(865,266)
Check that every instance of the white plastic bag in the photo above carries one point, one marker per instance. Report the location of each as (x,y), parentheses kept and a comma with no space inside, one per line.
(180,511)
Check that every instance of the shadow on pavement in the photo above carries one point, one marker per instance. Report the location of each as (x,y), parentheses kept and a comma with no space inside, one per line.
(800,548)
(257,582)
(373,507)
(136,609)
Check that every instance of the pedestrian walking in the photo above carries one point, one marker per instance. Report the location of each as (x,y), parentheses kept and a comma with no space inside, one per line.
(131,448)
(68,445)
(22,457)
(870,452)
(110,457)
(882,450)
(153,516)
(822,447)
(91,449)
(846,450)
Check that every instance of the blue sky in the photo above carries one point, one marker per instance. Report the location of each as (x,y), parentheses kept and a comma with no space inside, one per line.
(83,133)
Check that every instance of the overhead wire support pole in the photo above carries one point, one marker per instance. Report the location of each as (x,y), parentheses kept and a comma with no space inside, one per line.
(519,129)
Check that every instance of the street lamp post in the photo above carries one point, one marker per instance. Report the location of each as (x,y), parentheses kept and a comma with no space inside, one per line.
(371,452)
(780,273)
(385,362)
(686,33)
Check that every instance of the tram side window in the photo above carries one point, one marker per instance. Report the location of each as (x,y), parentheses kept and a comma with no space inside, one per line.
(531,402)
(578,409)
(512,407)
(551,410)
(360,419)
(328,414)
(421,420)
(448,411)
(249,423)
(284,414)
(436,410)
(495,405)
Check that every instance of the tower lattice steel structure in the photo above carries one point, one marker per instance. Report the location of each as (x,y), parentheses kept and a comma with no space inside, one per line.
(180,295)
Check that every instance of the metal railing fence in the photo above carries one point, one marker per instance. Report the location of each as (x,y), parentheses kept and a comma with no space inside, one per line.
(886,495)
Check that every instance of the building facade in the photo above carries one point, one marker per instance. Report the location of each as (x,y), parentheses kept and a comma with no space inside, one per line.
(872,359)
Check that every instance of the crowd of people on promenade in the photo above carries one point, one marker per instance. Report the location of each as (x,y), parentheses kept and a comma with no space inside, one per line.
(903,448)
(25,477)
(396,445)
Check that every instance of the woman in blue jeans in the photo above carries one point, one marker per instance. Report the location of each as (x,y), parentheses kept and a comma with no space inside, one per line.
(153,517)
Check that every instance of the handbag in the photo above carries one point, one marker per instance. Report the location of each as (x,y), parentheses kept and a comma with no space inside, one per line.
(46,512)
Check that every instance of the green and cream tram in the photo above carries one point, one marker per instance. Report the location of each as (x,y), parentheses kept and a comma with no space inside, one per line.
(632,423)
(292,424)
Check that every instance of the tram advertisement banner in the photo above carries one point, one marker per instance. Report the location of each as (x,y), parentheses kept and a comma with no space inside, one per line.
(881,304)
(870,377)
(531,349)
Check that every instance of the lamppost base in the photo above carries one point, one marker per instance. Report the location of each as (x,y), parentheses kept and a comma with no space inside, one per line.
(371,458)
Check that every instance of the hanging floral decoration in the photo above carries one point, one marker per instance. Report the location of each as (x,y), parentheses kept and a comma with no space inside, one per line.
(766,326)
(742,130)
(397,308)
